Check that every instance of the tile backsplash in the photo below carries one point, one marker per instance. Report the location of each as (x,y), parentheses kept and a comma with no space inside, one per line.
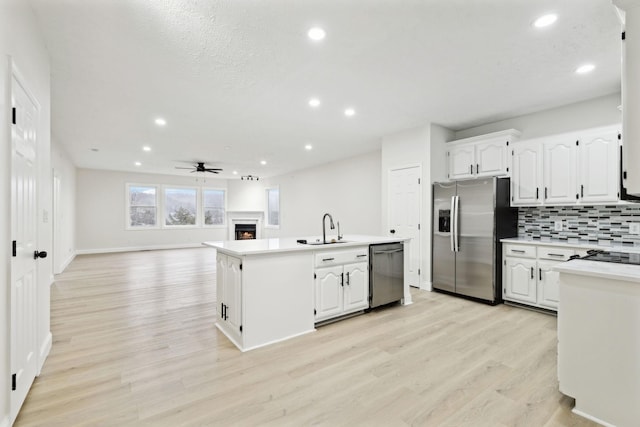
(604,225)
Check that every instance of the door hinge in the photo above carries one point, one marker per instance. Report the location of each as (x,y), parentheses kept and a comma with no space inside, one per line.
(619,136)
(240,328)
(418,272)
(14,248)
(14,119)
(13,382)
(314,312)
(315,276)
(623,35)
(507,143)
(418,226)
(507,169)
(418,181)
(624,174)
(512,152)
(240,266)
(577,143)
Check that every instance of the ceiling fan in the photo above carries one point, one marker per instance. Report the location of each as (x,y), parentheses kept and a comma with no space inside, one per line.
(200,167)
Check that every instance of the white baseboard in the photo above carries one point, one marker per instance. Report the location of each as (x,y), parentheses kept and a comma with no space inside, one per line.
(426,286)
(68,261)
(5,422)
(137,248)
(45,348)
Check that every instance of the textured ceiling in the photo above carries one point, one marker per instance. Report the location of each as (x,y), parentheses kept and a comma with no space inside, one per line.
(233,78)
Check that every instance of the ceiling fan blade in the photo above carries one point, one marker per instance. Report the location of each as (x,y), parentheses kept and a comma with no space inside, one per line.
(178,167)
(213,171)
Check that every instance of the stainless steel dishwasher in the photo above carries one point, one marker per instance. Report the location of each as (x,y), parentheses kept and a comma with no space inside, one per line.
(386,273)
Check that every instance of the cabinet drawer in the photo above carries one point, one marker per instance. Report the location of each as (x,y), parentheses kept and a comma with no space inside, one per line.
(557,254)
(523,251)
(328,258)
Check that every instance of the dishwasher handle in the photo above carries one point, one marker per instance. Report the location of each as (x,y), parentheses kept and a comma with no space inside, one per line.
(390,251)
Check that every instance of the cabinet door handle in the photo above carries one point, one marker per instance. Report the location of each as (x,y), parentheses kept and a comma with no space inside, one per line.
(222,310)
(477,168)
(540,270)
(471,168)
(537,193)
(328,259)
(582,191)
(558,255)
(347,278)
(361,255)
(545,192)
(342,279)
(532,272)
(517,251)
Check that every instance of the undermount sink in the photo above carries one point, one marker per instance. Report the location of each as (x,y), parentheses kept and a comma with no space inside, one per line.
(304,242)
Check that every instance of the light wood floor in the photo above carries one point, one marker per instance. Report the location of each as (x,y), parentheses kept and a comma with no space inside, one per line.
(135,344)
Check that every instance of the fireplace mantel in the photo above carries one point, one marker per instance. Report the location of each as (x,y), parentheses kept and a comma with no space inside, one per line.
(244,217)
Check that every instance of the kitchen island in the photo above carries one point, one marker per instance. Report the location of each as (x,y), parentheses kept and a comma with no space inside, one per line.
(599,338)
(270,290)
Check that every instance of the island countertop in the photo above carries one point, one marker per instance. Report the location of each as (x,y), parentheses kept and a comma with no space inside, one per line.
(290,244)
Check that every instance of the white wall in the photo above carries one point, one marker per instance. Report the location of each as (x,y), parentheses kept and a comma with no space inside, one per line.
(592,113)
(245,195)
(348,189)
(101,213)
(64,208)
(21,41)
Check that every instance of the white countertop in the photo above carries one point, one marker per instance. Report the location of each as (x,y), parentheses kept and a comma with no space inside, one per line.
(290,244)
(605,270)
(613,247)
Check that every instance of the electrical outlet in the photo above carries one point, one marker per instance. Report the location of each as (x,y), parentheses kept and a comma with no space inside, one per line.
(557,225)
(634,228)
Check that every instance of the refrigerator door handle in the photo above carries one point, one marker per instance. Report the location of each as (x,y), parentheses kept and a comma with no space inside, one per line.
(456,224)
(452,225)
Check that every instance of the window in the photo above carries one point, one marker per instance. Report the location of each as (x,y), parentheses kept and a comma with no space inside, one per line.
(213,206)
(180,206)
(273,207)
(143,206)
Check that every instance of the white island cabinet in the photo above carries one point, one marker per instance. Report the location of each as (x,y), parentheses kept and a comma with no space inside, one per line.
(270,290)
(599,340)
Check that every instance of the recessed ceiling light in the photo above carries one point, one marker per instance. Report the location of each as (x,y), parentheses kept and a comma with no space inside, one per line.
(235,172)
(308,147)
(349,112)
(160,121)
(138,164)
(316,33)
(95,150)
(586,68)
(314,102)
(263,162)
(545,20)
(227,147)
(146,148)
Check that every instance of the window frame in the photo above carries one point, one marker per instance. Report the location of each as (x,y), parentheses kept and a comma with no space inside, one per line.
(128,206)
(266,210)
(202,207)
(197,223)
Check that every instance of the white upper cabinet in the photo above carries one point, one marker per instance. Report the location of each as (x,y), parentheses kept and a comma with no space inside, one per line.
(481,156)
(526,178)
(599,165)
(559,162)
(574,168)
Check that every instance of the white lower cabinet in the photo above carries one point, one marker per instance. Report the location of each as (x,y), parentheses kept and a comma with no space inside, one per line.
(529,277)
(229,294)
(341,283)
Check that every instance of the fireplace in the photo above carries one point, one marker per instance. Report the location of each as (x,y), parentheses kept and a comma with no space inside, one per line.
(245,231)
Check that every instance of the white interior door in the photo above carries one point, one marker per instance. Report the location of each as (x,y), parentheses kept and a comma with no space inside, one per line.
(404,214)
(24,236)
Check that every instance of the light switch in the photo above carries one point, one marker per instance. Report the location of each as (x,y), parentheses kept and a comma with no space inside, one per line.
(634,228)
(557,225)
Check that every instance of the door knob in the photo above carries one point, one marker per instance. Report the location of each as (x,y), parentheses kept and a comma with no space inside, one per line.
(41,254)
(392,231)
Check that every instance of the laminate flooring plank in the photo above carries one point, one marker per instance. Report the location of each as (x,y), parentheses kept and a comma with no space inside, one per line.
(135,344)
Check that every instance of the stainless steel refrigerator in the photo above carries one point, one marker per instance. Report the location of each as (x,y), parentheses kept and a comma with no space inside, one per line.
(469,219)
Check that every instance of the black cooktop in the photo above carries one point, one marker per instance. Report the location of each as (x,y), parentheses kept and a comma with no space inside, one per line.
(617,257)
